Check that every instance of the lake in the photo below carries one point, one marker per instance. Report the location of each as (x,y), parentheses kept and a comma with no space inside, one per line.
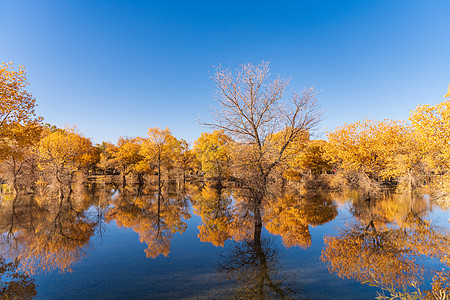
(203,242)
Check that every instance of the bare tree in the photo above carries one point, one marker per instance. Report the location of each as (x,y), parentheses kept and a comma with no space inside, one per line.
(256,111)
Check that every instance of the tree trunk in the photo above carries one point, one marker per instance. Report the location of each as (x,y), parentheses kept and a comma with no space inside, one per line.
(124,179)
(159,178)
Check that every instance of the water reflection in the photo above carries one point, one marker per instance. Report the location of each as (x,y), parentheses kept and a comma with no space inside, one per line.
(253,264)
(153,214)
(253,261)
(390,242)
(223,218)
(15,284)
(389,245)
(291,215)
(228,214)
(50,237)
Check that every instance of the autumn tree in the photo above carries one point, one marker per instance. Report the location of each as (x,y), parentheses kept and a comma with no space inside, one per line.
(17,105)
(18,155)
(370,256)
(375,151)
(213,150)
(185,161)
(44,239)
(106,162)
(126,155)
(62,154)
(431,127)
(19,125)
(159,151)
(252,107)
(311,159)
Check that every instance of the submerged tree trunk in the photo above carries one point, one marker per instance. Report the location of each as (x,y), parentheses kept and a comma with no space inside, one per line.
(159,178)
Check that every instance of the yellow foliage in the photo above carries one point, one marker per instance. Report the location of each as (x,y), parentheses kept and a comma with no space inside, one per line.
(386,246)
(66,151)
(220,219)
(160,149)
(432,129)
(58,238)
(126,153)
(291,215)
(19,127)
(310,158)
(16,104)
(155,220)
(213,150)
(381,149)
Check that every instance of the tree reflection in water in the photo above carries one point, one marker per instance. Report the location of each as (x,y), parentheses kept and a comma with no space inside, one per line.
(291,214)
(388,247)
(221,218)
(15,284)
(253,264)
(154,215)
(253,261)
(50,237)
(389,244)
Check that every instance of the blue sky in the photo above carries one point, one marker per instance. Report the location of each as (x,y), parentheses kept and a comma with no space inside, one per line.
(116,68)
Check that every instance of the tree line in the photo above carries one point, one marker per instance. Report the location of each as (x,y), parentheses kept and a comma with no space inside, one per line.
(261,136)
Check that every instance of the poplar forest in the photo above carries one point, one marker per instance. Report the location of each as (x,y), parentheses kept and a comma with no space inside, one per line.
(256,208)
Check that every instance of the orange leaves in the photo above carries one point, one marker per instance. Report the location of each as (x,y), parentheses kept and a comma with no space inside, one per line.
(290,217)
(63,153)
(382,149)
(221,219)
(66,149)
(154,219)
(214,207)
(390,246)
(213,150)
(46,239)
(389,150)
(20,141)
(311,157)
(431,126)
(160,152)
(432,129)
(19,127)
(370,257)
(126,154)
(16,104)
(160,148)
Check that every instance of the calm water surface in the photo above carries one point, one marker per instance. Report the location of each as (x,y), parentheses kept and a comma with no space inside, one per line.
(208,243)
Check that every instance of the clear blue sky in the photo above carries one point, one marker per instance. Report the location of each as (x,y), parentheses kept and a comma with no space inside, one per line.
(116,68)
